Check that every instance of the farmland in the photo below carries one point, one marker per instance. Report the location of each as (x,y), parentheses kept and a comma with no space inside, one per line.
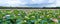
(29,16)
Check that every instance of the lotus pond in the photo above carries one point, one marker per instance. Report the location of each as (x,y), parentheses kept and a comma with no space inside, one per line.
(29,16)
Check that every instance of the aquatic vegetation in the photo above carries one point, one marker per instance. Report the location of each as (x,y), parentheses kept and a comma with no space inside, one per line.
(30,16)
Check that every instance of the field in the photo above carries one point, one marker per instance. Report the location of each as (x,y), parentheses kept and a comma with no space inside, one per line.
(29,16)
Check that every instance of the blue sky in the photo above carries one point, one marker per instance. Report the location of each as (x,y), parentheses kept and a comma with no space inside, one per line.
(30,3)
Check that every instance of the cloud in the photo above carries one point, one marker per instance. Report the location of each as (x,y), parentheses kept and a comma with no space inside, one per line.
(27,3)
(58,3)
(11,3)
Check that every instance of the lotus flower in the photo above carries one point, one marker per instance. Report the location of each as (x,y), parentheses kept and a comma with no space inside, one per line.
(54,20)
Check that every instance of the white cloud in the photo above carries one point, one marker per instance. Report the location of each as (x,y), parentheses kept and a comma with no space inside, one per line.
(58,3)
(53,3)
(11,3)
(39,1)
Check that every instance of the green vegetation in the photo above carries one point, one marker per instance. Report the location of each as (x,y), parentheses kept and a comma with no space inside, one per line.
(29,16)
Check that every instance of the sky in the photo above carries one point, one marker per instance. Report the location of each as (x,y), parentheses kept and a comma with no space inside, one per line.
(30,3)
